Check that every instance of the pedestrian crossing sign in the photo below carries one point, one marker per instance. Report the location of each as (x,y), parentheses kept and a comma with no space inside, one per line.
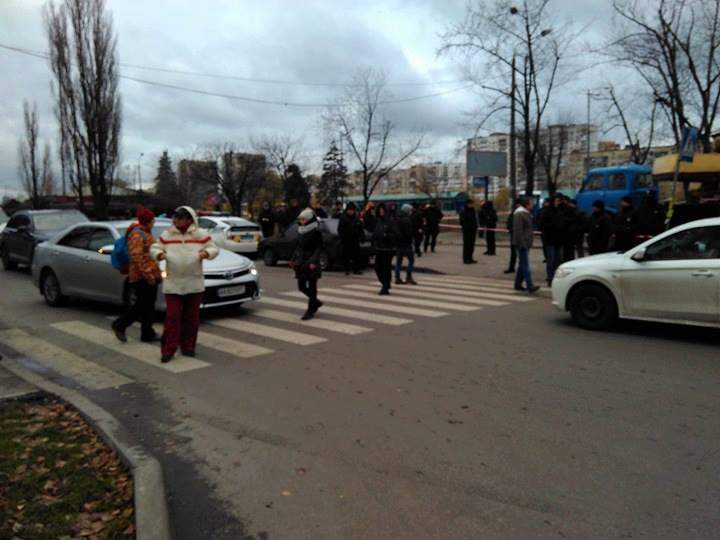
(687,146)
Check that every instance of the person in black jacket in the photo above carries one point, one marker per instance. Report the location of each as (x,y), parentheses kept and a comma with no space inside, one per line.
(552,226)
(624,226)
(418,223)
(579,228)
(306,259)
(570,233)
(513,247)
(599,229)
(405,246)
(267,220)
(337,210)
(350,231)
(384,239)
(469,224)
(489,220)
(433,217)
(650,217)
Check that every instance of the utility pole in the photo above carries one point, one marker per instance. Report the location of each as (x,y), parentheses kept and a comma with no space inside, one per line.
(587,142)
(513,154)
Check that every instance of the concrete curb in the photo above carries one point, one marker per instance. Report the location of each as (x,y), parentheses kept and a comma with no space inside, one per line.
(152,521)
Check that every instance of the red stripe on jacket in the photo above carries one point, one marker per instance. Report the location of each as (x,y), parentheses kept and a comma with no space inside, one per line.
(191,241)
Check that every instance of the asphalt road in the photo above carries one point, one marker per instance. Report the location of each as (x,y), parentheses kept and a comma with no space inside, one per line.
(494,421)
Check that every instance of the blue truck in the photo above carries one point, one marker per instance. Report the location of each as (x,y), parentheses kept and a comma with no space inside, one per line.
(610,184)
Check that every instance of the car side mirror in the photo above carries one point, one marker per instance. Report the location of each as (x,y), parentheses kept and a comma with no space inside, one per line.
(106,250)
(639,255)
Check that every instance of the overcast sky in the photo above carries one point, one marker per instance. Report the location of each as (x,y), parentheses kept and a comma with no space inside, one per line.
(309,41)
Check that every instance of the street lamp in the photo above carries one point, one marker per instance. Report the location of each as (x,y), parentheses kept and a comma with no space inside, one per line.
(591,94)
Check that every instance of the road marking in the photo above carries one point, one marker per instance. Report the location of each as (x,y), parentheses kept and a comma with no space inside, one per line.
(401,300)
(373,305)
(498,294)
(273,332)
(426,292)
(88,374)
(321,324)
(487,282)
(232,347)
(340,312)
(468,287)
(144,352)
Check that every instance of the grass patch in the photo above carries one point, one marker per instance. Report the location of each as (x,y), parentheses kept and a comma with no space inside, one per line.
(58,479)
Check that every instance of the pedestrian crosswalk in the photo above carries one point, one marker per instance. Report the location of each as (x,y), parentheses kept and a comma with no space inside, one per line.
(350,309)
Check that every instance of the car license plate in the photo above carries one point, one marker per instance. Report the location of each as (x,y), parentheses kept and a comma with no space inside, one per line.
(244,238)
(224,292)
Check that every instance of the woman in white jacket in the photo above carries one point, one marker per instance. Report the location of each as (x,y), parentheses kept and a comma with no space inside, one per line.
(183,247)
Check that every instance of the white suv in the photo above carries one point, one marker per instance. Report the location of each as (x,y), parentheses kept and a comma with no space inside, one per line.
(674,277)
(233,233)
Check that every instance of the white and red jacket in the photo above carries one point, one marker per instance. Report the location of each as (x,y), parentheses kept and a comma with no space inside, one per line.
(182,263)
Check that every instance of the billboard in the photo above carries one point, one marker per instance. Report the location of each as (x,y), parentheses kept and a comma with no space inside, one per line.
(480,163)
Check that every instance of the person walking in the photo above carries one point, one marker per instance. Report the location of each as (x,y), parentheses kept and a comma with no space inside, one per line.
(523,239)
(306,260)
(433,217)
(143,279)
(350,231)
(650,218)
(599,229)
(418,223)
(469,224)
(513,247)
(385,242)
(267,220)
(552,227)
(489,219)
(183,246)
(624,226)
(405,246)
(570,230)
(579,228)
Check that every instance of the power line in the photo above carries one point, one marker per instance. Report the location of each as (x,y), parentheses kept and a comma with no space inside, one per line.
(40,54)
(247,99)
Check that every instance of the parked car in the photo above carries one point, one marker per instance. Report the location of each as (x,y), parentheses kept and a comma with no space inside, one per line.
(235,234)
(281,247)
(610,184)
(76,263)
(28,228)
(3,219)
(674,277)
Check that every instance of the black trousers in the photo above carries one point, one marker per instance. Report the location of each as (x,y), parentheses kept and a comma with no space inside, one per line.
(142,309)
(418,240)
(383,267)
(431,239)
(308,286)
(568,252)
(513,258)
(468,245)
(351,256)
(490,242)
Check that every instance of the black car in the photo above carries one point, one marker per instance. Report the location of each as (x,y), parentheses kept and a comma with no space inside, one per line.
(282,246)
(27,228)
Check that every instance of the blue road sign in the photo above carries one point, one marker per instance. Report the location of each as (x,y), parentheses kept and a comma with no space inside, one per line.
(687,146)
(480,181)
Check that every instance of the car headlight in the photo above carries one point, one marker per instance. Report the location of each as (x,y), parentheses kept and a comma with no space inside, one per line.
(561,272)
(253,270)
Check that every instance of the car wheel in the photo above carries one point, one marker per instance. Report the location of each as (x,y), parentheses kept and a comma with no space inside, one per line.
(269,257)
(593,307)
(325,261)
(51,291)
(6,262)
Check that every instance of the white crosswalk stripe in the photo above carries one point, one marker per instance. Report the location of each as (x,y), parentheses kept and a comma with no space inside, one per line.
(373,305)
(340,312)
(232,347)
(320,324)
(394,299)
(476,292)
(487,282)
(144,352)
(273,332)
(469,287)
(88,374)
(426,293)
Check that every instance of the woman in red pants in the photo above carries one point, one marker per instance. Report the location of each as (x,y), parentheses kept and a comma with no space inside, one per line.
(183,247)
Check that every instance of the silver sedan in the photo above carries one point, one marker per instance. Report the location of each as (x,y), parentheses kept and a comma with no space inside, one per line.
(76,263)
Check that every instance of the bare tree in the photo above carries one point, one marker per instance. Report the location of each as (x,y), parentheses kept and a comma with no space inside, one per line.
(83,59)
(631,115)
(240,175)
(429,181)
(674,46)
(360,117)
(497,39)
(280,151)
(552,153)
(36,176)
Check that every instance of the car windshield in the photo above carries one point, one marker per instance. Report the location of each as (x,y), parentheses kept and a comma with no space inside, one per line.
(239,223)
(56,221)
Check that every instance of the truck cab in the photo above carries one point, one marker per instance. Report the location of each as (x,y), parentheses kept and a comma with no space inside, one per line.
(610,184)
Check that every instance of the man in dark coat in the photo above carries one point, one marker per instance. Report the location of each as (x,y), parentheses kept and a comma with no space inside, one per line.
(418,223)
(579,228)
(306,260)
(267,220)
(552,226)
(599,229)
(384,240)
(469,224)
(625,226)
(350,231)
(433,217)
(570,233)
(650,218)
(513,247)
(405,246)
(489,219)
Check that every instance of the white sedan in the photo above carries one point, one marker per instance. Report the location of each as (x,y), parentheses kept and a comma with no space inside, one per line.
(674,277)
(235,234)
